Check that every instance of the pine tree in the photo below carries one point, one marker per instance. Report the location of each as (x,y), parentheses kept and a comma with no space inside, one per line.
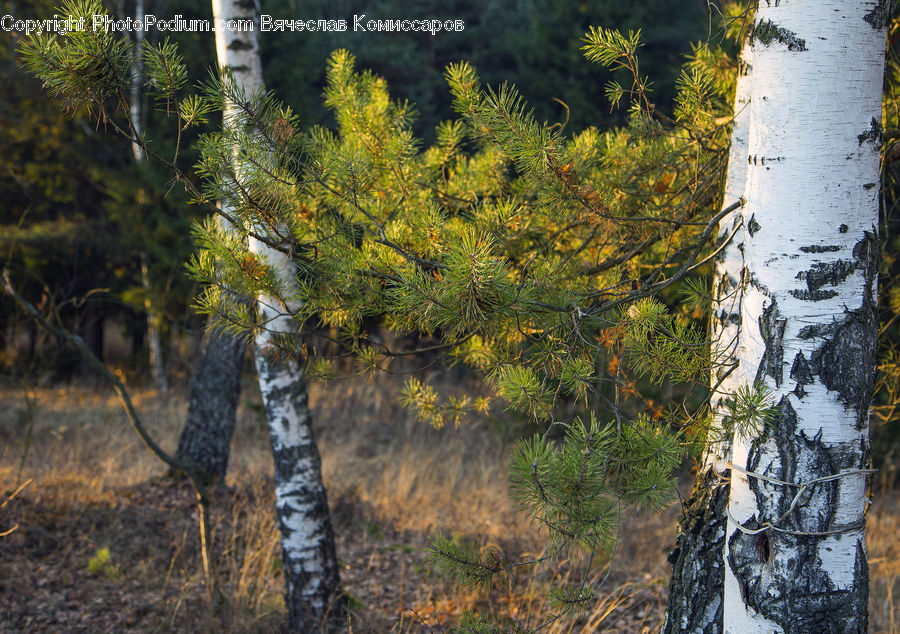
(454,244)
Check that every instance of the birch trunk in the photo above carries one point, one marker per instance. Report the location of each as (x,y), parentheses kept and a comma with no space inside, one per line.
(136,81)
(695,589)
(310,563)
(213,398)
(796,555)
(154,338)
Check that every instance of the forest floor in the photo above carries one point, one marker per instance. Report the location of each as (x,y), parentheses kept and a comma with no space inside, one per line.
(98,540)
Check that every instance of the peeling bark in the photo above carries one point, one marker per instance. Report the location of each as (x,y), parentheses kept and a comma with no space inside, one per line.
(768,32)
(795,546)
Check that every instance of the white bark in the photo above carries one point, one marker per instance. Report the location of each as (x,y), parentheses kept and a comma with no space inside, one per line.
(154,339)
(808,316)
(307,539)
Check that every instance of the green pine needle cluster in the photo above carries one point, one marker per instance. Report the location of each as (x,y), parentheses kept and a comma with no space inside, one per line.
(573,598)
(662,345)
(83,68)
(576,488)
(752,412)
(470,623)
(430,408)
(467,562)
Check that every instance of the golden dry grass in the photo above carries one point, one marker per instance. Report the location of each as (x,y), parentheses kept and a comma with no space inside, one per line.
(391,484)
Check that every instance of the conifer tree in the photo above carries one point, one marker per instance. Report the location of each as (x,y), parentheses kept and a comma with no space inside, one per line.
(454,243)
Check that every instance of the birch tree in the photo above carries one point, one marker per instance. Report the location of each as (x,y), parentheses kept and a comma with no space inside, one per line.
(795,551)
(216,380)
(154,319)
(213,397)
(310,563)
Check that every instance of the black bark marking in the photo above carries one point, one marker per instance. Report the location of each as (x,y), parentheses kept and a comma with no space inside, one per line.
(771,328)
(813,296)
(729,314)
(845,363)
(802,373)
(811,332)
(762,547)
(880,15)
(860,601)
(698,571)
(843,228)
(822,273)
(744,560)
(820,248)
(753,226)
(767,32)
(875,134)
(240,45)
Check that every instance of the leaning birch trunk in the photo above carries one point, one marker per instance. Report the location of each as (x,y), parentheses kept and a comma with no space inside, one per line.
(215,389)
(310,563)
(154,339)
(695,589)
(796,557)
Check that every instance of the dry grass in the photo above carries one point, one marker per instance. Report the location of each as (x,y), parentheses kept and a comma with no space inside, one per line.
(391,484)
(883,537)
